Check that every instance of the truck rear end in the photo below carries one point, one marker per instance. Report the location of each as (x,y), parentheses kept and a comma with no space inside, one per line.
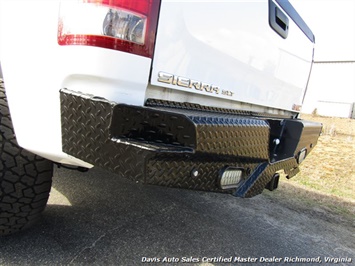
(200,95)
(220,110)
(190,94)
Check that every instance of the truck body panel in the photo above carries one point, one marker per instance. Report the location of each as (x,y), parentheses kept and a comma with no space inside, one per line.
(232,52)
(35,69)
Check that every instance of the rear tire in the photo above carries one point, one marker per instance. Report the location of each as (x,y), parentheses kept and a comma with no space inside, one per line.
(25,178)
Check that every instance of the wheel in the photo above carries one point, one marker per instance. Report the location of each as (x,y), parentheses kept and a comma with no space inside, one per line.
(25,178)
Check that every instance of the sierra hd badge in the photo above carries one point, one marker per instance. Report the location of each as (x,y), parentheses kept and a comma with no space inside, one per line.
(191,84)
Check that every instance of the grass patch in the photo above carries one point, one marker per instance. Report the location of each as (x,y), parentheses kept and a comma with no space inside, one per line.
(327,176)
(330,168)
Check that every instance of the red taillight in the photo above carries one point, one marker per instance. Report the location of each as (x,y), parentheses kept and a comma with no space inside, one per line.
(139,6)
(125,25)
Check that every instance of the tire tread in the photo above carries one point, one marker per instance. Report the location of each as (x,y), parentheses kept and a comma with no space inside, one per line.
(25,178)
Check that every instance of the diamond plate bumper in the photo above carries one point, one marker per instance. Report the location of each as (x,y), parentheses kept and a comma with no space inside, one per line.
(163,145)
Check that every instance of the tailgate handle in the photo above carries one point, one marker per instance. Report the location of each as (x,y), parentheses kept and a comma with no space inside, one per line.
(278,20)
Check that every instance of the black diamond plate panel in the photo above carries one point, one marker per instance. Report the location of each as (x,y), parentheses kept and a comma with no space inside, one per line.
(176,171)
(232,135)
(153,126)
(205,132)
(204,108)
(221,140)
(85,135)
(262,176)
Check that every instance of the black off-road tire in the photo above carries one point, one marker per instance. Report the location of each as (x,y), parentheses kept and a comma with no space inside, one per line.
(25,178)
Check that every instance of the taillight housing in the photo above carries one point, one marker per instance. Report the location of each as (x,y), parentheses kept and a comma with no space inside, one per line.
(124,25)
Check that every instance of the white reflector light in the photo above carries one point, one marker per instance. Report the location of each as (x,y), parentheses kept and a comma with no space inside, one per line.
(124,25)
(231,177)
(302,155)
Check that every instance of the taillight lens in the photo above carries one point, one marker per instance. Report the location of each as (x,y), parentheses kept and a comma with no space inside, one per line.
(125,25)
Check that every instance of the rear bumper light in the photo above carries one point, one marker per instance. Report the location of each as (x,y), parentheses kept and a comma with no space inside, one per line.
(230,177)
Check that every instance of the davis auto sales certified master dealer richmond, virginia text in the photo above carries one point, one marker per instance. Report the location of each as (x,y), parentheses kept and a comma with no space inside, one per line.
(235,259)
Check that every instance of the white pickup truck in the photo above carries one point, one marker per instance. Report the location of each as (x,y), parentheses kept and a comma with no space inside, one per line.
(199,94)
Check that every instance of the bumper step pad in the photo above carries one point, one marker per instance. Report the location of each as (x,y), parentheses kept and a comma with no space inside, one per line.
(169,146)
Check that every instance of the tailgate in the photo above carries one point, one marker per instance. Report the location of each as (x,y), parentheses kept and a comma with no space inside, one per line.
(257,52)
